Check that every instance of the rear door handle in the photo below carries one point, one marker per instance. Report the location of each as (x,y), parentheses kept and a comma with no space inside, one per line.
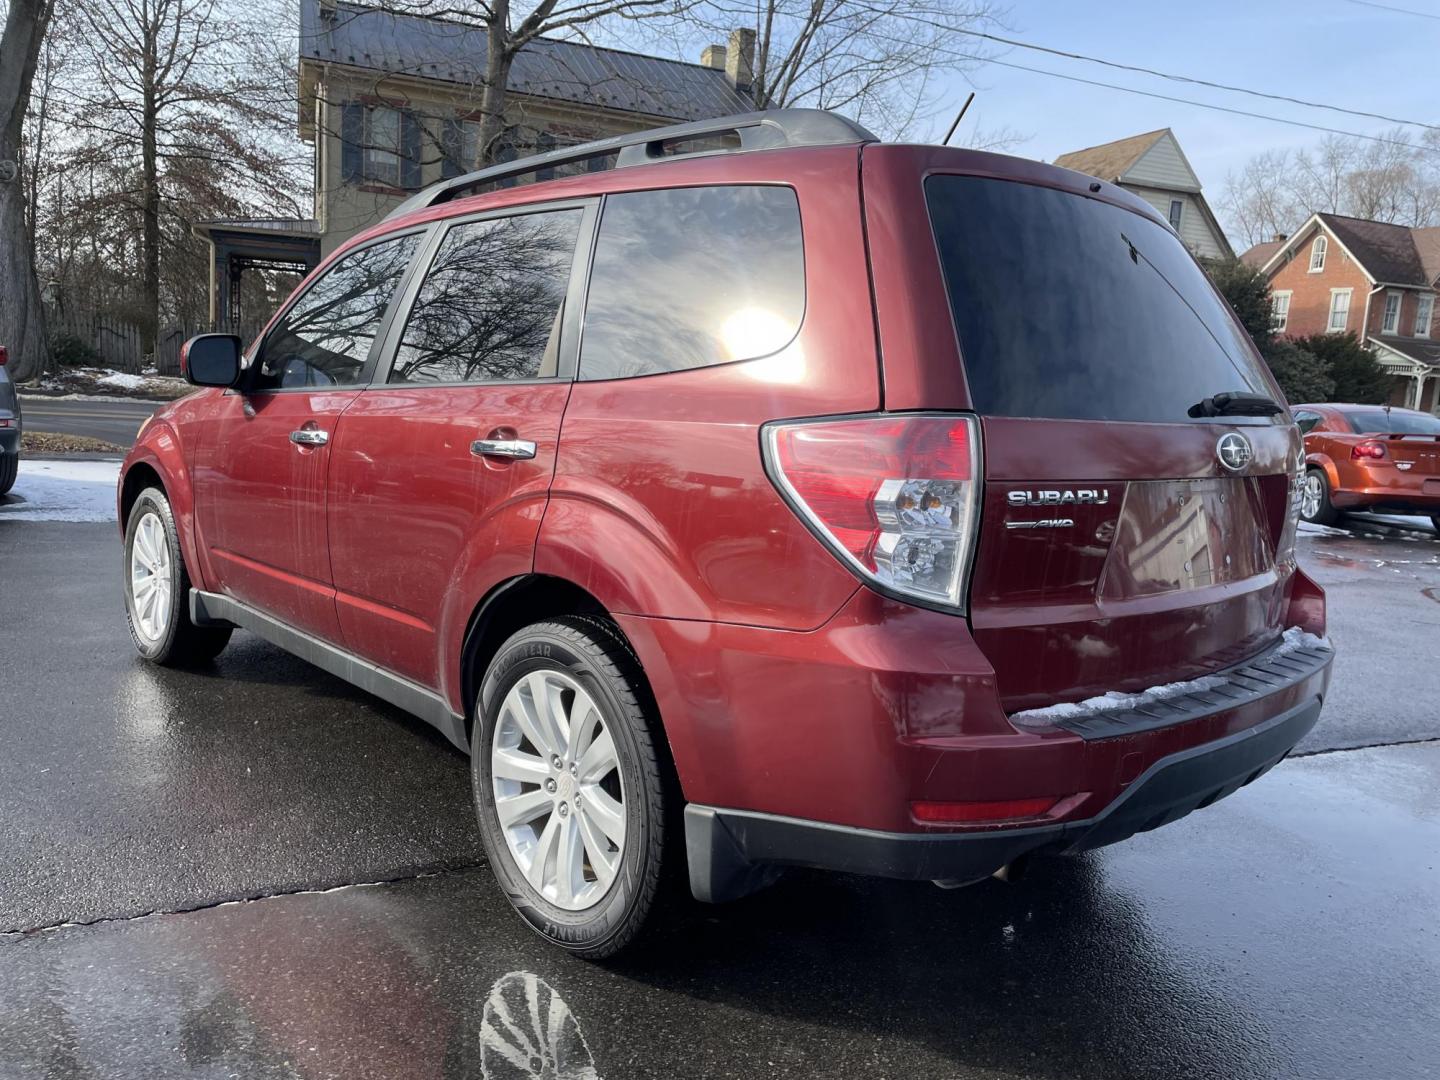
(506,448)
(309,437)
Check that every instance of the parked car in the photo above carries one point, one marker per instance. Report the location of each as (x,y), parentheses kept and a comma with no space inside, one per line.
(1369,457)
(11,425)
(774,497)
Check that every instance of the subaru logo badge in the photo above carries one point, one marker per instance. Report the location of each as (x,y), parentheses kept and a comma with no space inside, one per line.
(1234,451)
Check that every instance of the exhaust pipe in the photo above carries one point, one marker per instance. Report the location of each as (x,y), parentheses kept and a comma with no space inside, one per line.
(1011,871)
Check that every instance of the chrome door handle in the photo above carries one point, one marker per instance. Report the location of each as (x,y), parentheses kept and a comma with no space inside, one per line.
(506,448)
(309,437)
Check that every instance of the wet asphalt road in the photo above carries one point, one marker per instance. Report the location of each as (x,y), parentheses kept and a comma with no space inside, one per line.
(116,420)
(1287,931)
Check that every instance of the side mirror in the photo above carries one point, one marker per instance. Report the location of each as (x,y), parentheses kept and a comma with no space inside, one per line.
(211,360)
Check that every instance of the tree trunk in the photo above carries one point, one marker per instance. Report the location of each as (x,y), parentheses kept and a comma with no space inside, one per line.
(22,319)
(498,58)
(150,196)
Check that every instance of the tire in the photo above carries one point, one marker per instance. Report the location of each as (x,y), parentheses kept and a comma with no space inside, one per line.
(607,897)
(159,621)
(9,470)
(1315,499)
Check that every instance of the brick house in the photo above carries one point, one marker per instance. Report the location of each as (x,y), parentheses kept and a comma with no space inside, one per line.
(1154,167)
(390,104)
(1339,274)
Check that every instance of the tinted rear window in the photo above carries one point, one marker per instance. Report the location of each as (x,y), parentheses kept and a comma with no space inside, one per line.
(1380,422)
(1069,307)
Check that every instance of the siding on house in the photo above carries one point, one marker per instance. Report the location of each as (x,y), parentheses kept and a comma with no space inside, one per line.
(1195,230)
(1164,166)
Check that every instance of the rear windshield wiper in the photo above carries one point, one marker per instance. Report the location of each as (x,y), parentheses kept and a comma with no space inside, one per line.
(1236,403)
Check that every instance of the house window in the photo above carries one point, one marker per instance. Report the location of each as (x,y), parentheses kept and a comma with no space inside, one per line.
(1390,324)
(1279,311)
(382,146)
(1339,310)
(1317,254)
(1424,313)
(1177,208)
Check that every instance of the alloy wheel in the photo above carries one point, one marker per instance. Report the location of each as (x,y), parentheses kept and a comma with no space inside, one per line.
(1310,496)
(559,795)
(152,584)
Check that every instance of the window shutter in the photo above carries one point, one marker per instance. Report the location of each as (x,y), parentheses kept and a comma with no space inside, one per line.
(352,135)
(410,132)
(452,147)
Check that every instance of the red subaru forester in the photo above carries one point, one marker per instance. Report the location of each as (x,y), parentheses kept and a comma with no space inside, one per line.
(758,494)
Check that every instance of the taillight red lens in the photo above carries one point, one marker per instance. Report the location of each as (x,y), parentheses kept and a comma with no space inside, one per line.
(894,496)
(1368,449)
(4,356)
(956,813)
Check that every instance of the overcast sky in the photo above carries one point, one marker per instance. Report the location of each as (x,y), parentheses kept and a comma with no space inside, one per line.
(1334,51)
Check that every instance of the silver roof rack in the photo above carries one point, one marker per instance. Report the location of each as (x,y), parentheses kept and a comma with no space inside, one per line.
(757,131)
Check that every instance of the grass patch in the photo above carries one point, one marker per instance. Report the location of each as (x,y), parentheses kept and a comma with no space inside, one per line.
(45,442)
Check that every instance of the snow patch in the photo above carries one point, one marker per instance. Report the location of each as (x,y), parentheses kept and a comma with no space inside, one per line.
(62,491)
(120,379)
(1292,639)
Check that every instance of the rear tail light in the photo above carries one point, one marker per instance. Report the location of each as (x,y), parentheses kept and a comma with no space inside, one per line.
(4,356)
(895,497)
(1367,449)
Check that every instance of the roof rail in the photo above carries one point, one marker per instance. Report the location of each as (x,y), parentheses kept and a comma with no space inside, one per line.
(757,131)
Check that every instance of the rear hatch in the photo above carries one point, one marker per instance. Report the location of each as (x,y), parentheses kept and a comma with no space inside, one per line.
(1125,541)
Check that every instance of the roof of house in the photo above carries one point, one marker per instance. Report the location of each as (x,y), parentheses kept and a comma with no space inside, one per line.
(1259,255)
(1427,245)
(1386,251)
(378,40)
(1111,160)
(1417,349)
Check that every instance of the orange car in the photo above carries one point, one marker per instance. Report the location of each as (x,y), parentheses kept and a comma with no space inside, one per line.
(1369,457)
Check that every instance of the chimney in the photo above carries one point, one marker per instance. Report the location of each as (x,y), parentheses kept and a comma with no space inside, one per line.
(1281,237)
(740,59)
(713,56)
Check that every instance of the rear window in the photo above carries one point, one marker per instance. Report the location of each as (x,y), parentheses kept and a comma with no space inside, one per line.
(1380,422)
(1068,307)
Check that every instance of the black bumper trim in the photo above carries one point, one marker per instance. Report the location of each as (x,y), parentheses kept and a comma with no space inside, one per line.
(1268,673)
(732,852)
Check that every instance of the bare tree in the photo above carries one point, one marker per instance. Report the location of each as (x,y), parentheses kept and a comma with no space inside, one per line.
(1395,180)
(22,319)
(875,60)
(169,108)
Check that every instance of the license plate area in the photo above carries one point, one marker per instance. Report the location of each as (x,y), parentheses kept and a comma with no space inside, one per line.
(1187,534)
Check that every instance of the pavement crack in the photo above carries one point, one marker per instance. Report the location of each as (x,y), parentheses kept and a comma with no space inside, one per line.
(7,936)
(1367,746)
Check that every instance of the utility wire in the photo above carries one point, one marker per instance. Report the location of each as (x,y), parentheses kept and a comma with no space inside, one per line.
(1167,97)
(1397,10)
(1065,54)
(1207,105)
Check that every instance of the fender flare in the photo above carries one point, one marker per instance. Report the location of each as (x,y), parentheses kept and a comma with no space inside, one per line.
(1323,462)
(159,448)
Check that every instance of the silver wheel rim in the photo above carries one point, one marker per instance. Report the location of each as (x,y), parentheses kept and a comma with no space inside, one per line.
(152,585)
(1310,497)
(559,795)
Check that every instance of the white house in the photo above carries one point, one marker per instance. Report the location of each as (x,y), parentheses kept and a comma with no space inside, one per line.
(1154,167)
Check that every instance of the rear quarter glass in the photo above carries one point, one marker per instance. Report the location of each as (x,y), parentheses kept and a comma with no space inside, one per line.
(1072,308)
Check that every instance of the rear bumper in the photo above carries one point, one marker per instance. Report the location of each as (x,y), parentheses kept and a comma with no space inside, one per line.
(731,851)
(1406,493)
